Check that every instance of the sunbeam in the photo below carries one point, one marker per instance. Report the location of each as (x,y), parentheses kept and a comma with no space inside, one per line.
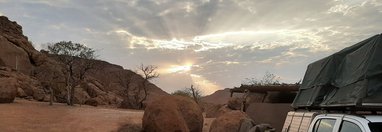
(180,69)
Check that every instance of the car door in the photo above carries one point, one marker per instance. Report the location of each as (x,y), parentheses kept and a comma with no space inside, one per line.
(352,124)
(325,124)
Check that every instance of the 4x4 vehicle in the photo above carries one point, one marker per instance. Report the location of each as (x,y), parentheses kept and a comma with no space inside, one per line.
(346,123)
(314,122)
(344,91)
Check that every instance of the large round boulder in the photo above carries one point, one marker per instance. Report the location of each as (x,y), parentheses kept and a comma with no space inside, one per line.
(80,96)
(8,90)
(21,93)
(224,109)
(172,113)
(212,110)
(235,103)
(94,89)
(262,128)
(38,94)
(125,104)
(233,121)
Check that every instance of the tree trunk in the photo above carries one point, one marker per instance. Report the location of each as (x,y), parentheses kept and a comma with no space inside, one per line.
(71,86)
(68,86)
(51,96)
(72,96)
(130,99)
(194,94)
(68,95)
(144,96)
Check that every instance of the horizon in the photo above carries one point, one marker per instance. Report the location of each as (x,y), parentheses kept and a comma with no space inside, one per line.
(212,44)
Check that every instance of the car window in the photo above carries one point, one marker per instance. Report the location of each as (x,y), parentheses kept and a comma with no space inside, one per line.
(324,125)
(316,125)
(375,126)
(347,126)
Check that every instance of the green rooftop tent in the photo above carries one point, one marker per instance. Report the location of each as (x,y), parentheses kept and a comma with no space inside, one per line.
(350,77)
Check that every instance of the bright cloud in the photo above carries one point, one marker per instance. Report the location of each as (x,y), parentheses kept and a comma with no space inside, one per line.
(180,69)
(340,8)
(222,41)
(254,39)
(207,87)
(347,6)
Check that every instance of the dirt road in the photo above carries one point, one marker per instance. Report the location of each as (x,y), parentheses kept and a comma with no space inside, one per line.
(31,116)
(36,116)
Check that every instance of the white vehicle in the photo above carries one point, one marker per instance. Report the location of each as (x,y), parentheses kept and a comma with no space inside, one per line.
(344,89)
(314,122)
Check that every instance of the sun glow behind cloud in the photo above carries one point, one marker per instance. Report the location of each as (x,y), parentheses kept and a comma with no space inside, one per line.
(263,39)
(186,69)
(206,86)
(180,69)
(256,40)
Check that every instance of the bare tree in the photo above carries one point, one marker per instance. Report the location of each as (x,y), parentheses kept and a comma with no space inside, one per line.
(77,60)
(124,79)
(50,78)
(191,92)
(148,73)
(268,79)
(196,93)
(184,92)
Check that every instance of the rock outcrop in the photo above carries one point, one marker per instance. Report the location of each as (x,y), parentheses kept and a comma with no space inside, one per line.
(39,73)
(235,103)
(15,49)
(8,90)
(173,113)
(26,86)
(211,110)
(233,121)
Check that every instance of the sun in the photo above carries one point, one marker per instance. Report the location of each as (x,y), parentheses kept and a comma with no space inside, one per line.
(180,68)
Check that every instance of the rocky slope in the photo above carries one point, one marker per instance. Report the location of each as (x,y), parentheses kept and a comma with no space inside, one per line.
(223,96)
(220,97)
(36,72)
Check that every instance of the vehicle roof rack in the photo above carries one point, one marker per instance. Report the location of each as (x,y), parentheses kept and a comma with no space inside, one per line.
(370,110)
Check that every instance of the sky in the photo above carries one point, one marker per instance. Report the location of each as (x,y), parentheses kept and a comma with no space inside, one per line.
(212,44)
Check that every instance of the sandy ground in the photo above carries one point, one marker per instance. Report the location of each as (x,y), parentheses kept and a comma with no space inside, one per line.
(207,124)
(33,116)
(36,116)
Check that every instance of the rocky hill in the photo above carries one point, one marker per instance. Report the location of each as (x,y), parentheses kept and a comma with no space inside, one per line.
(36,72)
(220,96)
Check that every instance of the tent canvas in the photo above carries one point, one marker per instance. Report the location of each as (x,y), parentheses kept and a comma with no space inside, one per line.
(350,77)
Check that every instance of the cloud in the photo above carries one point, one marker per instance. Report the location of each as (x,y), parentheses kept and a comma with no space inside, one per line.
(56,3)
(224,40)
(240,39)
(346,6)
(206,86)
(340,8)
